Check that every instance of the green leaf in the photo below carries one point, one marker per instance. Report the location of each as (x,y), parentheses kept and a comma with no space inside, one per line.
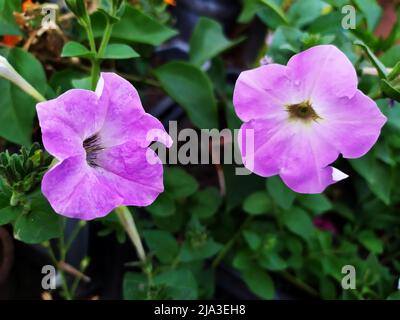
(316,203)
(178,183)
(327,288)
(312,7)
(286,41)
(395,72)
(8,25)
(259,282)
(278,10)
(200,252)
(120,51)
(378,176)
(135,286)
(299,222)
(280,193)
(257,203)
(394,296)
(75,49)
(40,224)
(389,90)
(206,202)
(249,10)
(379,66)
(9,214)
(179,284)
(83,83)
(239,187)
(372,12)
(192,89)
(17,108)
(162,244)
(207,41)
(134,26)
(78,7)
(391,56)
(61,81)
(370,241)
(163,206)
(253,239)
(272,261)
(111,18)
(243,260)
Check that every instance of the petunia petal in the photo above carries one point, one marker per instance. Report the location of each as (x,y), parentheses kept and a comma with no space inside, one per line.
(304,165)
(312,181)
(262,93)
(76,190)
(130,173)
(322,70)
(352,125)
(262,144)
(294,151)
(68,120)
(126,120)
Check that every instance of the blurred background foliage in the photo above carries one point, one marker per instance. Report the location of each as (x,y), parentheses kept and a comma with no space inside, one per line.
(213,233)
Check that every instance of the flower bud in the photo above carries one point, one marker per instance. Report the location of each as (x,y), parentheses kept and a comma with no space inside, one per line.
(8,72)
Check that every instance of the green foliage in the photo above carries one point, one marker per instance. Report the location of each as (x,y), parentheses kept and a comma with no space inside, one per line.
(273,237)
(8,25)
(17,108)
(120,51)
(32,218)
(75,49)
(208,40)
(146,29)
(22,172)
(191,88)
(257,203)
(281,194)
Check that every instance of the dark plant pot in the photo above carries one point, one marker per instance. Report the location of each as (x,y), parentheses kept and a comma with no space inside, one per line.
(6,259)
(187,13)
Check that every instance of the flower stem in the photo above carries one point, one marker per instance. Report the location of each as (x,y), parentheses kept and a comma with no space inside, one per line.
(95,72)
(64,284)
(106,39)
(128,223)
(90,35)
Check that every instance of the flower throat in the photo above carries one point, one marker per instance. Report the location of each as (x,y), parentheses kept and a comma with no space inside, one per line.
(302,111)
(92,147)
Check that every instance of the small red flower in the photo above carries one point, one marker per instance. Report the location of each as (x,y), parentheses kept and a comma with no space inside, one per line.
(11,41)
(170,2)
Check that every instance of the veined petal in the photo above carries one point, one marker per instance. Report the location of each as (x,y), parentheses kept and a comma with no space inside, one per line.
(126,120)
(322,70)
(312,181)
(130,174)
(68,120)
(262,144)
(76,190)
(262,93)
(352,125)
(304,165)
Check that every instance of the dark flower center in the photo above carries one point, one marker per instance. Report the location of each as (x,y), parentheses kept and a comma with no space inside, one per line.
(303,111)
(92,147)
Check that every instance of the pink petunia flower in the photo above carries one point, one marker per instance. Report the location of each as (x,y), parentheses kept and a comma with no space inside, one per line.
(101,140)
(303,116)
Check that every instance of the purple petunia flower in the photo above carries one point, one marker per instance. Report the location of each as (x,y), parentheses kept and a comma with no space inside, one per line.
(303,116)
(101,140)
